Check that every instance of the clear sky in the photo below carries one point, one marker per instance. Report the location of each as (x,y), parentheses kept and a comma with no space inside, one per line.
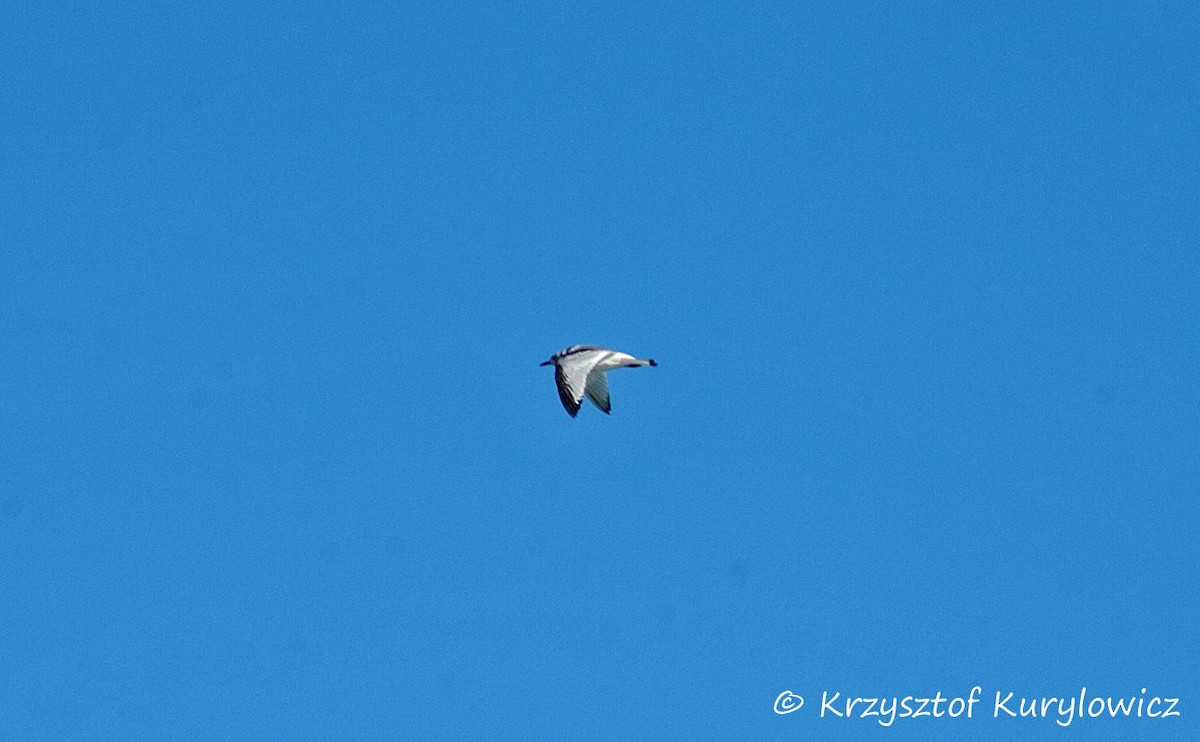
(279,461)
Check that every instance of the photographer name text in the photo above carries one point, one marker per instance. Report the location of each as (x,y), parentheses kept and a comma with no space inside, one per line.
(1005,704)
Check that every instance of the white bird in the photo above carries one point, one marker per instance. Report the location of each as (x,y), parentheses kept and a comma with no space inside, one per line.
(580,370)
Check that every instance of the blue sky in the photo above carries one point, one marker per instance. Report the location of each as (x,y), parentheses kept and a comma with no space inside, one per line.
(279,462)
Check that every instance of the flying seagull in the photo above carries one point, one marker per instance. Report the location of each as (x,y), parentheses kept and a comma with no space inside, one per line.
(580,370)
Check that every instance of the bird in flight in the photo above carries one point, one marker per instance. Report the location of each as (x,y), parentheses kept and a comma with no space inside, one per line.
(580,370)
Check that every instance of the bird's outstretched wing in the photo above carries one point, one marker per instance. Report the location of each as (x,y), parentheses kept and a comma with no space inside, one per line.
(571,375)
(597,390)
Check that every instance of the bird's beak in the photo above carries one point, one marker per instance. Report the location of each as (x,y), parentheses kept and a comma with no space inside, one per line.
(545,363)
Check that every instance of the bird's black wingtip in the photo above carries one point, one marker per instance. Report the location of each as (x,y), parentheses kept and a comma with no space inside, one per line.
(652,362)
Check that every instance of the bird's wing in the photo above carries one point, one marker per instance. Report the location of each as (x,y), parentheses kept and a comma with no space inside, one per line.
(597,390)
(570,374)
